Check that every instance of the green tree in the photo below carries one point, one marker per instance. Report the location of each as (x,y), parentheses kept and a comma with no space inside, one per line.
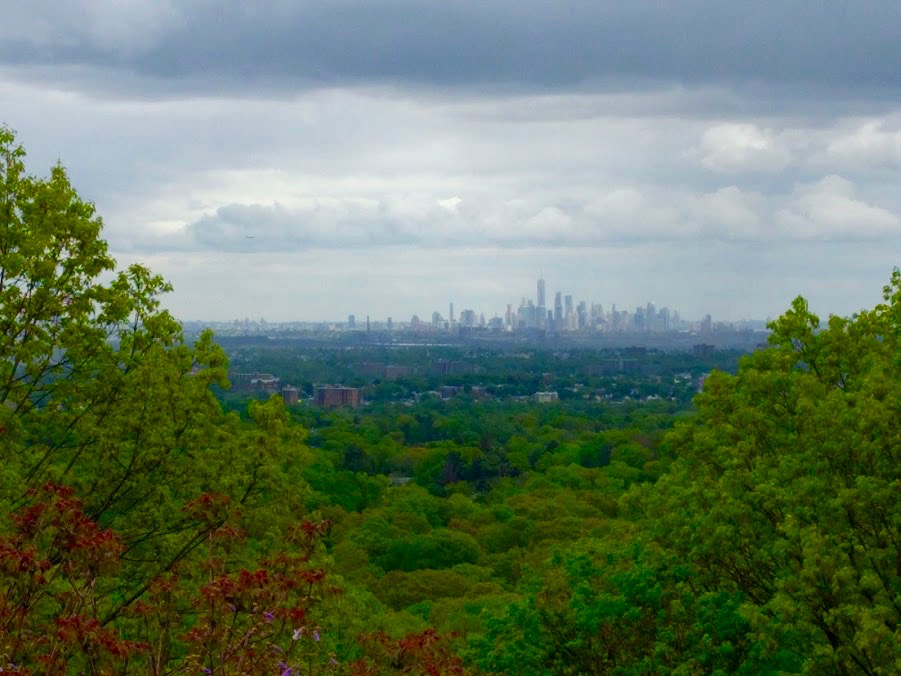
(616,606)
(102,394)
(787,490)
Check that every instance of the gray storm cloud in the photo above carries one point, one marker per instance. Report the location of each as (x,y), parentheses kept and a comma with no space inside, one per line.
(533,44)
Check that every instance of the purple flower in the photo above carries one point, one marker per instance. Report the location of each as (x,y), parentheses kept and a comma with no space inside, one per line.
(268,616)
(232,607)
(315,634)
(286,670)
(297,634)
(207,671)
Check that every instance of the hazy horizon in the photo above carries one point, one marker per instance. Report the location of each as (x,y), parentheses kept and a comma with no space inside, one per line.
(313,160)
(403,316)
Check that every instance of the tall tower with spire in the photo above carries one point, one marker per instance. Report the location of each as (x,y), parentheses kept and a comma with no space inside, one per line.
(541,313)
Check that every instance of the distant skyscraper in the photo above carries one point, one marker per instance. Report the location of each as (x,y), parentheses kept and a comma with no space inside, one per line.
(665,321)
(541,302)
(558,310)
(451,317)
(351,322)
(639,320)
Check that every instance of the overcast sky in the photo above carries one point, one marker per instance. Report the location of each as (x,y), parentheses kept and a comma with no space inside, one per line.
(308,160)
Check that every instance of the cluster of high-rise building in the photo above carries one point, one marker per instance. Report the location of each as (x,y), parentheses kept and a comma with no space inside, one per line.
(541,313)
(566,315)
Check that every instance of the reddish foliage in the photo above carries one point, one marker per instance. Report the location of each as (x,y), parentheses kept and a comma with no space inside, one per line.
(49,567)
(307,534)
(258,618)
(87,634)
(211,509)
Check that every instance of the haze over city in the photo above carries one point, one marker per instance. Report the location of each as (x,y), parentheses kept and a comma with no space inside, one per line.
(312,160)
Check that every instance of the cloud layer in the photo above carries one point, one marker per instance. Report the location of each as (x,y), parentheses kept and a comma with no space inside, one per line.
(826,210)
(529,43)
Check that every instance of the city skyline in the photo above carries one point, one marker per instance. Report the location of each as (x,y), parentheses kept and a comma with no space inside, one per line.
(378,310)
(565,314)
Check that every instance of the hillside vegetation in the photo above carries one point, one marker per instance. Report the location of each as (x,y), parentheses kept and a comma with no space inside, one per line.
(147,528)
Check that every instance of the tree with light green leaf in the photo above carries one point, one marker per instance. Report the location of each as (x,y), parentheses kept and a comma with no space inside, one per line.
(102,394)
(788,490)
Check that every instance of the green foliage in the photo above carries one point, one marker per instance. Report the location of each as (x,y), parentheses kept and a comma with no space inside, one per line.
(103,394)
(400,589)
(440,548)
(610,607)
(787,490)
(142,527)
